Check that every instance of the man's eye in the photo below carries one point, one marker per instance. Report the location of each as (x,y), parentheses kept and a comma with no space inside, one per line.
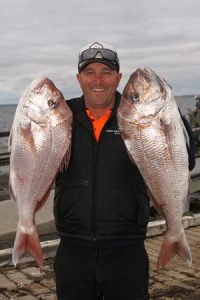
(88,72)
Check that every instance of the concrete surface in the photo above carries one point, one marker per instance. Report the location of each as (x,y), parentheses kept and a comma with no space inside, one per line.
(46,226)
(9,219)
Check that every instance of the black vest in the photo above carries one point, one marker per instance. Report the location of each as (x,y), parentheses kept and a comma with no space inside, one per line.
(102,195)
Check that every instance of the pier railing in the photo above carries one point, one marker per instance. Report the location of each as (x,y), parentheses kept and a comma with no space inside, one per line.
(4,156)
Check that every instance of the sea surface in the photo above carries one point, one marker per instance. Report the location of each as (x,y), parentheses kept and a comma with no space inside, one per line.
(7,112)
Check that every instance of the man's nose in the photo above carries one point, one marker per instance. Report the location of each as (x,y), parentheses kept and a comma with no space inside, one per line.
(98,78)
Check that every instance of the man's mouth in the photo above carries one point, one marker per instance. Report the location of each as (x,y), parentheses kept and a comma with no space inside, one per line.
(98,90)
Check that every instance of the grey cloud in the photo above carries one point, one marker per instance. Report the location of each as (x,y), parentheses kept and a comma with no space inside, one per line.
(44,37)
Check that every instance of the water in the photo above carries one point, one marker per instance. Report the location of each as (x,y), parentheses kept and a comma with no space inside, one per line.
(185,103)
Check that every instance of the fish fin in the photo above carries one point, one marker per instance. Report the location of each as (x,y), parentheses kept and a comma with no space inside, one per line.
(165,121)
(25,124)
(155,204)
(44,199)
(11,192)
(27,135)
(187,198)
(10,141)
(171,248)
(185,133)
(25,241)
(186,203)
(65,161)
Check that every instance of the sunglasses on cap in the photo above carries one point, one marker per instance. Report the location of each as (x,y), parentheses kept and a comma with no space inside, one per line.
(92,53)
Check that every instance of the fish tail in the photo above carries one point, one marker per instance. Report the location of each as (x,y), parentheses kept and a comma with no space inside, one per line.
(171,248)
(27,240)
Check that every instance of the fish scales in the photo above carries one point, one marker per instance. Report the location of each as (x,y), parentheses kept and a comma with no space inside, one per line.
(39,141)
(152,129)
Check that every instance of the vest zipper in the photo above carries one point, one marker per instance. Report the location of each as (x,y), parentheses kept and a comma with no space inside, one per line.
(95,162)
(94,203)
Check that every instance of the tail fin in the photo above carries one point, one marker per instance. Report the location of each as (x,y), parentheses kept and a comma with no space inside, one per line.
(171,248)
(27,240)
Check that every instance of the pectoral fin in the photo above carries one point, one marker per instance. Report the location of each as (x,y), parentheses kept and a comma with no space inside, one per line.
(27,135)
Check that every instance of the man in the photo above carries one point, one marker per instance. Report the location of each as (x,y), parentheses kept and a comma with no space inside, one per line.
(101,202)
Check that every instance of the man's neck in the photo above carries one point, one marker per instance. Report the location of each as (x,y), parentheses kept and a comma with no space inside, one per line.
(98,113)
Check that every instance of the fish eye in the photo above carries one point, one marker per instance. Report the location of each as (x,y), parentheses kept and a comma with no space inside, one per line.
(135,97)
(52,103)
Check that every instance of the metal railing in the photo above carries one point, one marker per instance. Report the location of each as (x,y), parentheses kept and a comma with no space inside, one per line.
(4,156)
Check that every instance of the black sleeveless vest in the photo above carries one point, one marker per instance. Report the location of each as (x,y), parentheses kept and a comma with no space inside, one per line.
(102,195)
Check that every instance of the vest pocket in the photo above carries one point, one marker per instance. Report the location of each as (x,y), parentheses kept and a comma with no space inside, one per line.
(116,212)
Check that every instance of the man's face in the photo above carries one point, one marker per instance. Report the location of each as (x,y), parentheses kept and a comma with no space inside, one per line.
(99,83)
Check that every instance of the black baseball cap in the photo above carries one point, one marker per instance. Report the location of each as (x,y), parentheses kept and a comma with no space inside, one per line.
(98,52)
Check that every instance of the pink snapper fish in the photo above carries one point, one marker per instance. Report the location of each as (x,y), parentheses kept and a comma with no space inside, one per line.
(39,143)
(153,132)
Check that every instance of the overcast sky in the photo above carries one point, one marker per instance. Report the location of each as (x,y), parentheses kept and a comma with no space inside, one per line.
(43,37)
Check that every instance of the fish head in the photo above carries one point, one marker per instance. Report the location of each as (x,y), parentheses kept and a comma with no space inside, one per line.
(44,103)
(144,95)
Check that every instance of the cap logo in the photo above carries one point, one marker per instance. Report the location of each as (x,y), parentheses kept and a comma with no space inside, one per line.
(98,55)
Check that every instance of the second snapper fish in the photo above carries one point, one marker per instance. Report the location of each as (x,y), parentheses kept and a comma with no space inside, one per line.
(153,132)
(39,142)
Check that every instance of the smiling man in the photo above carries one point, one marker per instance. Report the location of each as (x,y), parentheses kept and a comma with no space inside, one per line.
(99,83)
(101,203)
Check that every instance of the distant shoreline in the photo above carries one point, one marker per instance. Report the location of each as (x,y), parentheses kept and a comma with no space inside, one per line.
(9,104)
